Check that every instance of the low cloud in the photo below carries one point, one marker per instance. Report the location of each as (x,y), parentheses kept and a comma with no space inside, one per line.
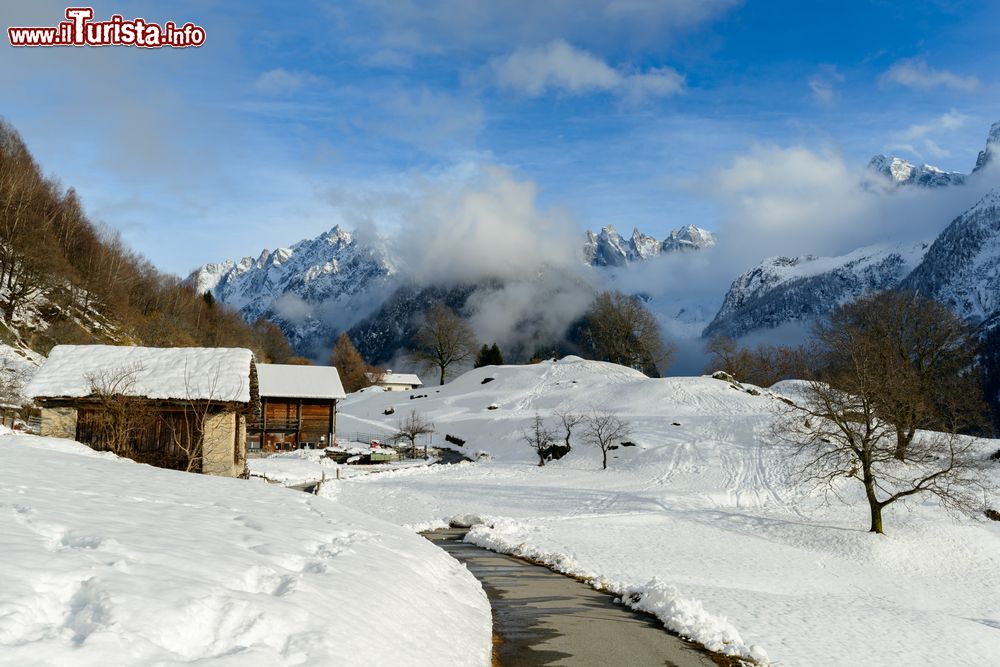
(798,200)
(917,74)
(561,67)
(489,226)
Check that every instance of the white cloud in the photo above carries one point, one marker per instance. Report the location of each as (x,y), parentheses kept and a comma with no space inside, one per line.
(796,200)
(487,225)
(923,138)
(823,85)
(558,66)
(918,75)
(280,81)
(951,120)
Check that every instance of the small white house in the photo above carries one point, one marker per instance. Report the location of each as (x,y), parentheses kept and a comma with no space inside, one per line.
(396,381)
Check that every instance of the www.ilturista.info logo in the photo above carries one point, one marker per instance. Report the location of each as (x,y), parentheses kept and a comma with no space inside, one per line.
(80,30)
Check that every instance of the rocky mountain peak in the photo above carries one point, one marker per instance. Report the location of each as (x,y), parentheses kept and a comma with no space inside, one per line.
(992,147)
(902,172)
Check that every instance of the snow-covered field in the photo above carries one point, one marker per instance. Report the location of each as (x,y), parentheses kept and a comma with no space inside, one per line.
(311,465)
(701,519)
(107,562)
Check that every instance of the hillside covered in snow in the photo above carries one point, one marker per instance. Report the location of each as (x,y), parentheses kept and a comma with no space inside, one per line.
(702,522)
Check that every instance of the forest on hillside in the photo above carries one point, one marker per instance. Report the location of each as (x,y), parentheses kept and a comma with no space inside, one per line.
(65,279)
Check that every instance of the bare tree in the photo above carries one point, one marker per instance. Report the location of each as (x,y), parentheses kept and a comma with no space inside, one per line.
(411,427)
(569,421)
(443,340)
(924,352)
(839,435)
(726,356)
(762,366)
(120,415)
(620,329)
(190,428)
(605,430)
(538,438)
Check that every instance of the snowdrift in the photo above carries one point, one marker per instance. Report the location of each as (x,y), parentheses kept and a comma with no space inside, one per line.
(110,562)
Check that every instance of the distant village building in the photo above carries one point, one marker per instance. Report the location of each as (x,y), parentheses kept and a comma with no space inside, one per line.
(184,408)
(298,407)
(395,381)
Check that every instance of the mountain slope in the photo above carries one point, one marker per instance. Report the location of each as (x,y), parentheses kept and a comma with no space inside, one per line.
(962,266)
(789,289)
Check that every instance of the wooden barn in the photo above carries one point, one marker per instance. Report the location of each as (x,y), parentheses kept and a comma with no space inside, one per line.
(185,408)
(298,407)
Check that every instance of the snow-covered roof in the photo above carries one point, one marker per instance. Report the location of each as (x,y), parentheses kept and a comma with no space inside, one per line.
(202,373)
(291,381)
(399,378)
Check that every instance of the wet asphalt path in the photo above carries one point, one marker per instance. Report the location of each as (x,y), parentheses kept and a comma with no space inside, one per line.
(541,617)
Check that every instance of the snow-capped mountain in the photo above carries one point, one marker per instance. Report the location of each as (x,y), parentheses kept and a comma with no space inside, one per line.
(962,267)
(609,248)
(989,153)
(305,288)
(901,172)
(318,287)
(780,290)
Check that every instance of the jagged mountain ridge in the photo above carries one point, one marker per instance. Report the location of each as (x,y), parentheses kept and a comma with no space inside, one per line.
(309,289)
(609,248)
(334,282)
(901,172)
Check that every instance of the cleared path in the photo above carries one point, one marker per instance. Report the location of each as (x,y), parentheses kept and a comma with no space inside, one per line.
(541,617)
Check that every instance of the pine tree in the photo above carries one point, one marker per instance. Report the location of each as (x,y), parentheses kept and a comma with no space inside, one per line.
(489,356)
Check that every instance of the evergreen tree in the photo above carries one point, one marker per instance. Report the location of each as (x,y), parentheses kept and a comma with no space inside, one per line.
(489,356)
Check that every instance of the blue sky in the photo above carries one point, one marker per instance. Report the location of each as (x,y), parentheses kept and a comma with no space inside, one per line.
(624,112)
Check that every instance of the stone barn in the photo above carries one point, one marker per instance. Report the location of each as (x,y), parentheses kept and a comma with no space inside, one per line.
(185,408)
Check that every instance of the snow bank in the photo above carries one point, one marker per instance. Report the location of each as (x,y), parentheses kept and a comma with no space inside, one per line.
(111,562)
(685,616)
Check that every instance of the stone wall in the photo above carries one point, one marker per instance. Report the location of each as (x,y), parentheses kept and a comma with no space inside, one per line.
(225,446)
(59,423)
